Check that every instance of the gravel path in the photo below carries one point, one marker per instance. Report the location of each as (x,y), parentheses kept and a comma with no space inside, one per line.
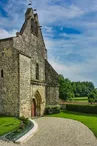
(59,132)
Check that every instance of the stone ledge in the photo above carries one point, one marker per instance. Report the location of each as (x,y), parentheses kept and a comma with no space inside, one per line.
(28,135)
(39,83)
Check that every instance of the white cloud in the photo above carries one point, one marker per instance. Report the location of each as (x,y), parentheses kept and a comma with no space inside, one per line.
(6,34)
(86,5)
(75,72)
(59,13)
(48,29)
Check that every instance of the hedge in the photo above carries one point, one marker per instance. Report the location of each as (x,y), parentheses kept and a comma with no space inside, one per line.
(91,109)
(52,109)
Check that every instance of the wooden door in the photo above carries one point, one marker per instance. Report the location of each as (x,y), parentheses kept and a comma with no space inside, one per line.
(33,112)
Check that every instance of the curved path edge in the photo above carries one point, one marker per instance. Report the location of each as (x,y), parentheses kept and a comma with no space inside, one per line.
(29,134)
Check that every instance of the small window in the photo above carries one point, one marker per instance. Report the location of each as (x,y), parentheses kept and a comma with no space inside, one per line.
(2,53)
(37,71)
(2,73)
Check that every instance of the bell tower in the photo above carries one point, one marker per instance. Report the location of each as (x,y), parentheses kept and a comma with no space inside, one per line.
(29,13)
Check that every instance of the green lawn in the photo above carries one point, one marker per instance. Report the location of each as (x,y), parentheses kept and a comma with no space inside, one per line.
(8,124)
(80,99)
(87,119)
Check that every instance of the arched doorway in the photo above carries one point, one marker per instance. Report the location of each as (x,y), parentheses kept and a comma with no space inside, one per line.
(36,105)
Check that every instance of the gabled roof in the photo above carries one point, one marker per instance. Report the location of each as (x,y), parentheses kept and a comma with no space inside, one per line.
(5,39)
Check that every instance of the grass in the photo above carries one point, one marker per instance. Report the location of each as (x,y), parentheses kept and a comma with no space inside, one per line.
(80,99)
(8,124)
(87,119)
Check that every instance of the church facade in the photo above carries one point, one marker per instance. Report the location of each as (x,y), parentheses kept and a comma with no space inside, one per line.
(27,81)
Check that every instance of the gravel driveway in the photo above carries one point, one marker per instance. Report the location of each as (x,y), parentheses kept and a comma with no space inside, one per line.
(59,132)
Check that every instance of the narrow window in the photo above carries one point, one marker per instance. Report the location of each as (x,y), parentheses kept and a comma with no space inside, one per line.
(37,71)
(2,73)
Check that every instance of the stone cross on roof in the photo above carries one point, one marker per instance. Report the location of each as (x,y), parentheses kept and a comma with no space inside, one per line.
(30,3)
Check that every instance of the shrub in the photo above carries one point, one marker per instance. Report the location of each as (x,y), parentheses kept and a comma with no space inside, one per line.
(18,130)
(22,125)
(53,109)
(24,120)
(91,100)
(91,109)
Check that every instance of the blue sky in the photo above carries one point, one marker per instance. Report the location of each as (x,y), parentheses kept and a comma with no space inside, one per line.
(69,29)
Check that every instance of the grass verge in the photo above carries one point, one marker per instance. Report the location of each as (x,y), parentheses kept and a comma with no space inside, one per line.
(87,119)
(8,124)
(80,99)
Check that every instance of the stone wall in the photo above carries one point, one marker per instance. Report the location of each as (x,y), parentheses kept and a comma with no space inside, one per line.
(28,89)
(9,82)
(52,95)
(24,85)
(51,74)
(52,88)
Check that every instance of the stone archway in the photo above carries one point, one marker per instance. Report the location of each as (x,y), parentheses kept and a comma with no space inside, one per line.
(36,105)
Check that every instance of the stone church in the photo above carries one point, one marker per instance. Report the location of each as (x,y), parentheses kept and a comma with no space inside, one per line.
(27,81)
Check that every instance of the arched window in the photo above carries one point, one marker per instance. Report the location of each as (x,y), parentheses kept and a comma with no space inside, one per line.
(2,73)
(37,71)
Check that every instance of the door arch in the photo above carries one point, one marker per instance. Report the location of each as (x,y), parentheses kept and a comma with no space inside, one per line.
(36,104)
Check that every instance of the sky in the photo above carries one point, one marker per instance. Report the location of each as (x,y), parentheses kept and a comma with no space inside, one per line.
(70,32)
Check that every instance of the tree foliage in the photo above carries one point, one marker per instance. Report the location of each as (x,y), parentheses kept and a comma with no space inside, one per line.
(92,97)
(65,89)
(69,89)
(82,89)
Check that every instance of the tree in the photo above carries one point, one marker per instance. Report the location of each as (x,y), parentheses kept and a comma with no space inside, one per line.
(92,97)
(82,89)
(65,89)
(70,89)
(69,96)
